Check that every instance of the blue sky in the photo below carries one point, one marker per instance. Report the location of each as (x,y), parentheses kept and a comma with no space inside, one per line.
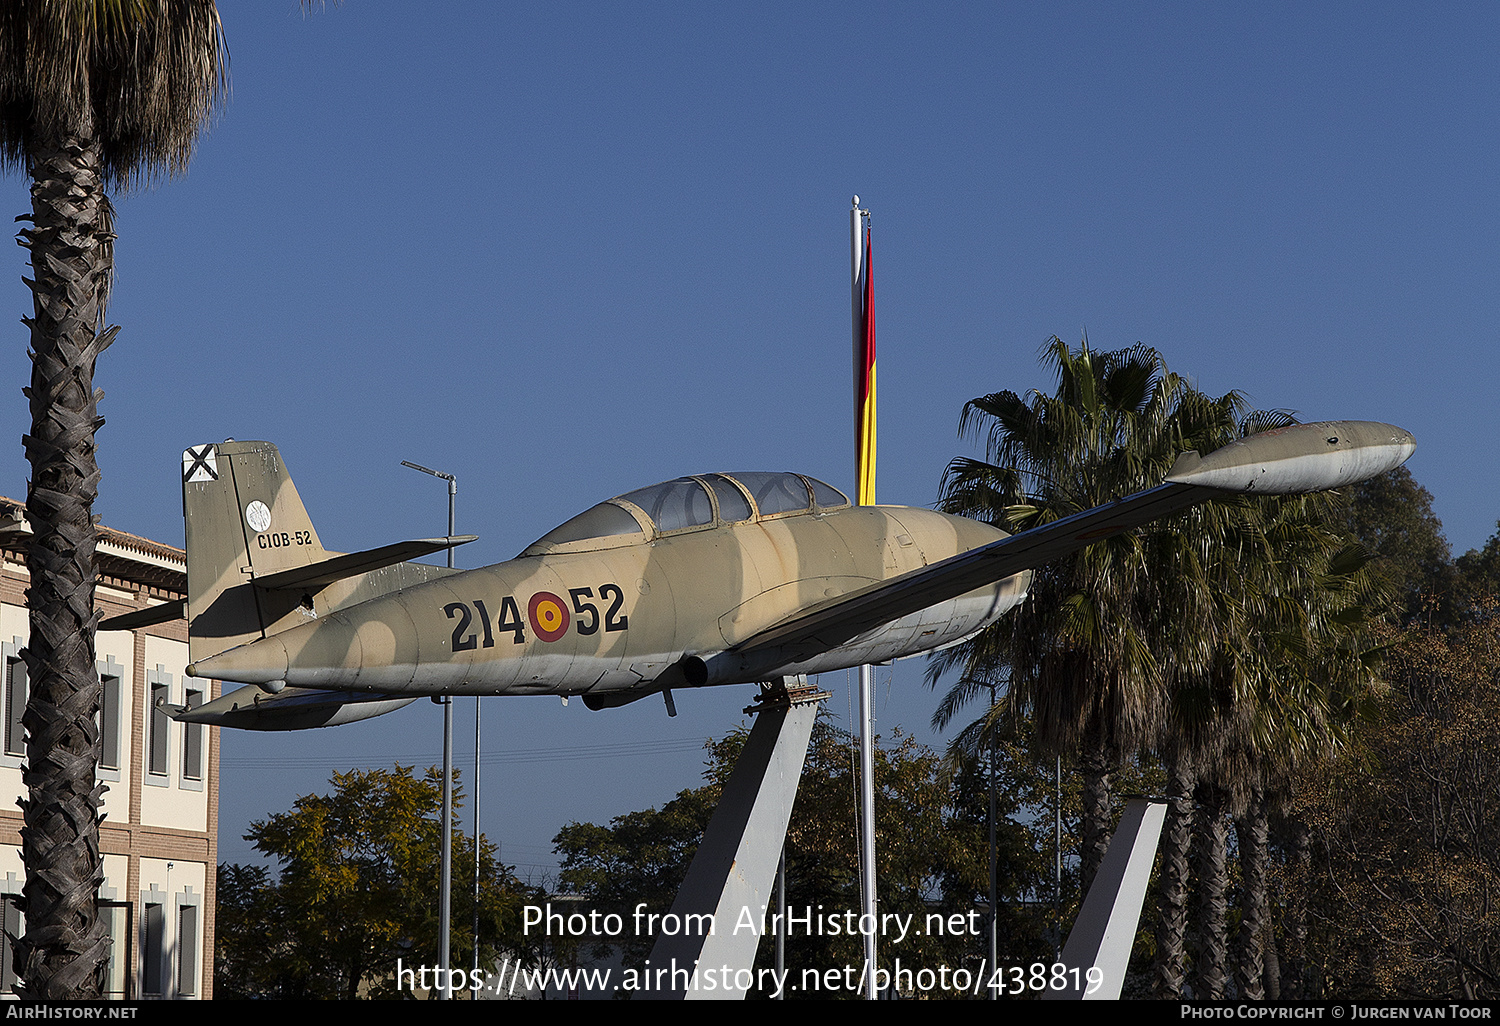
(565,250)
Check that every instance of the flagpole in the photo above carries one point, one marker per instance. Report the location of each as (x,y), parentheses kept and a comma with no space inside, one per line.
(864,448)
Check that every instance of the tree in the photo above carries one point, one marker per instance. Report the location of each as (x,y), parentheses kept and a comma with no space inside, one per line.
(1477,584)
(1276,688)
(1209,637)
(642,856)
(247,923)
(359,875)
(1080,656)
(93,93)
(1320,682)
(1404,856)
(931,852)
(1209,563)
(1391,516)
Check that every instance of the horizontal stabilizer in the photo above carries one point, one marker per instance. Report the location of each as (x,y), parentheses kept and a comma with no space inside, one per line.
(253,708)
(352,564)
(148,617)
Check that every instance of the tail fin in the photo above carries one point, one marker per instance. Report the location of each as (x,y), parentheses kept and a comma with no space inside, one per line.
(244,520)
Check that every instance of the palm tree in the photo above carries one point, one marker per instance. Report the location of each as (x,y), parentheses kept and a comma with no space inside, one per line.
(1080,656)
(1143,643)
(1200,620)
(93,94)
(1288,673)
(1213,563)
(1317,678)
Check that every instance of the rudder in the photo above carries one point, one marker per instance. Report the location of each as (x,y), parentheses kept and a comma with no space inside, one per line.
(244,519)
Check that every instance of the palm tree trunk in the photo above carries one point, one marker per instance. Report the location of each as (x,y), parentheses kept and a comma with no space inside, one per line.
(1097,767)
(1213,909)
(1252,831)
(65,948)
(1171,929)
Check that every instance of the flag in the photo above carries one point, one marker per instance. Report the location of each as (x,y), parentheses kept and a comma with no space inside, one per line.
(864,387)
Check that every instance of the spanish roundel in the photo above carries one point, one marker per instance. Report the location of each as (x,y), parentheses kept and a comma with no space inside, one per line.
(548,616)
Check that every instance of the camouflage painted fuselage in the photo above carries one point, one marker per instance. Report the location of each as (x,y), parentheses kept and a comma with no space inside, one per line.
(614,614)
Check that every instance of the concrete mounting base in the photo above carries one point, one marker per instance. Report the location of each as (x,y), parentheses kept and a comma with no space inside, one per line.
(735,868)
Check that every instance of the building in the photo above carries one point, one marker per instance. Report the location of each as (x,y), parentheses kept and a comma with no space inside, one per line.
(160,833)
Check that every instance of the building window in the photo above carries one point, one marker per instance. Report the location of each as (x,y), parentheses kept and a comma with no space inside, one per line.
(157,764)
(15,926)
(116,918)
(109,721)
(153,947)
(187,950)
(192,741)
(15,706)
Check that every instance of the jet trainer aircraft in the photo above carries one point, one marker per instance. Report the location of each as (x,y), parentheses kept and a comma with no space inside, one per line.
(713,579)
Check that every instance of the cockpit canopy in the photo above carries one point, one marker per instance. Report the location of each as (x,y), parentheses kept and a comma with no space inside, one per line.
(689,504)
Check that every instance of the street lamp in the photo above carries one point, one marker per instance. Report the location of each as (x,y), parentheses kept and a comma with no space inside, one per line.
(445,884)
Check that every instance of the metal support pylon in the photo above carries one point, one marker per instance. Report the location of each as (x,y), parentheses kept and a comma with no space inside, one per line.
(733,873)
(1104,932)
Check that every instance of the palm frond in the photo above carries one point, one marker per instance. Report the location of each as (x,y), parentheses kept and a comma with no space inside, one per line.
(141,77)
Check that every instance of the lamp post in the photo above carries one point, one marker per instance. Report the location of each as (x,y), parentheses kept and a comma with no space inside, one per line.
(477,700)
(445,883)
(994,896)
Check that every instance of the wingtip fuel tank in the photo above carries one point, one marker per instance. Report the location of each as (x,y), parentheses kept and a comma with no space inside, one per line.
(1299,458)
(260,662)
(253,708)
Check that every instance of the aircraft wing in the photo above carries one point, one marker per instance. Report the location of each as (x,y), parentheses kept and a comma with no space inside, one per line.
(836,622)
(148,617)
(1290,460)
